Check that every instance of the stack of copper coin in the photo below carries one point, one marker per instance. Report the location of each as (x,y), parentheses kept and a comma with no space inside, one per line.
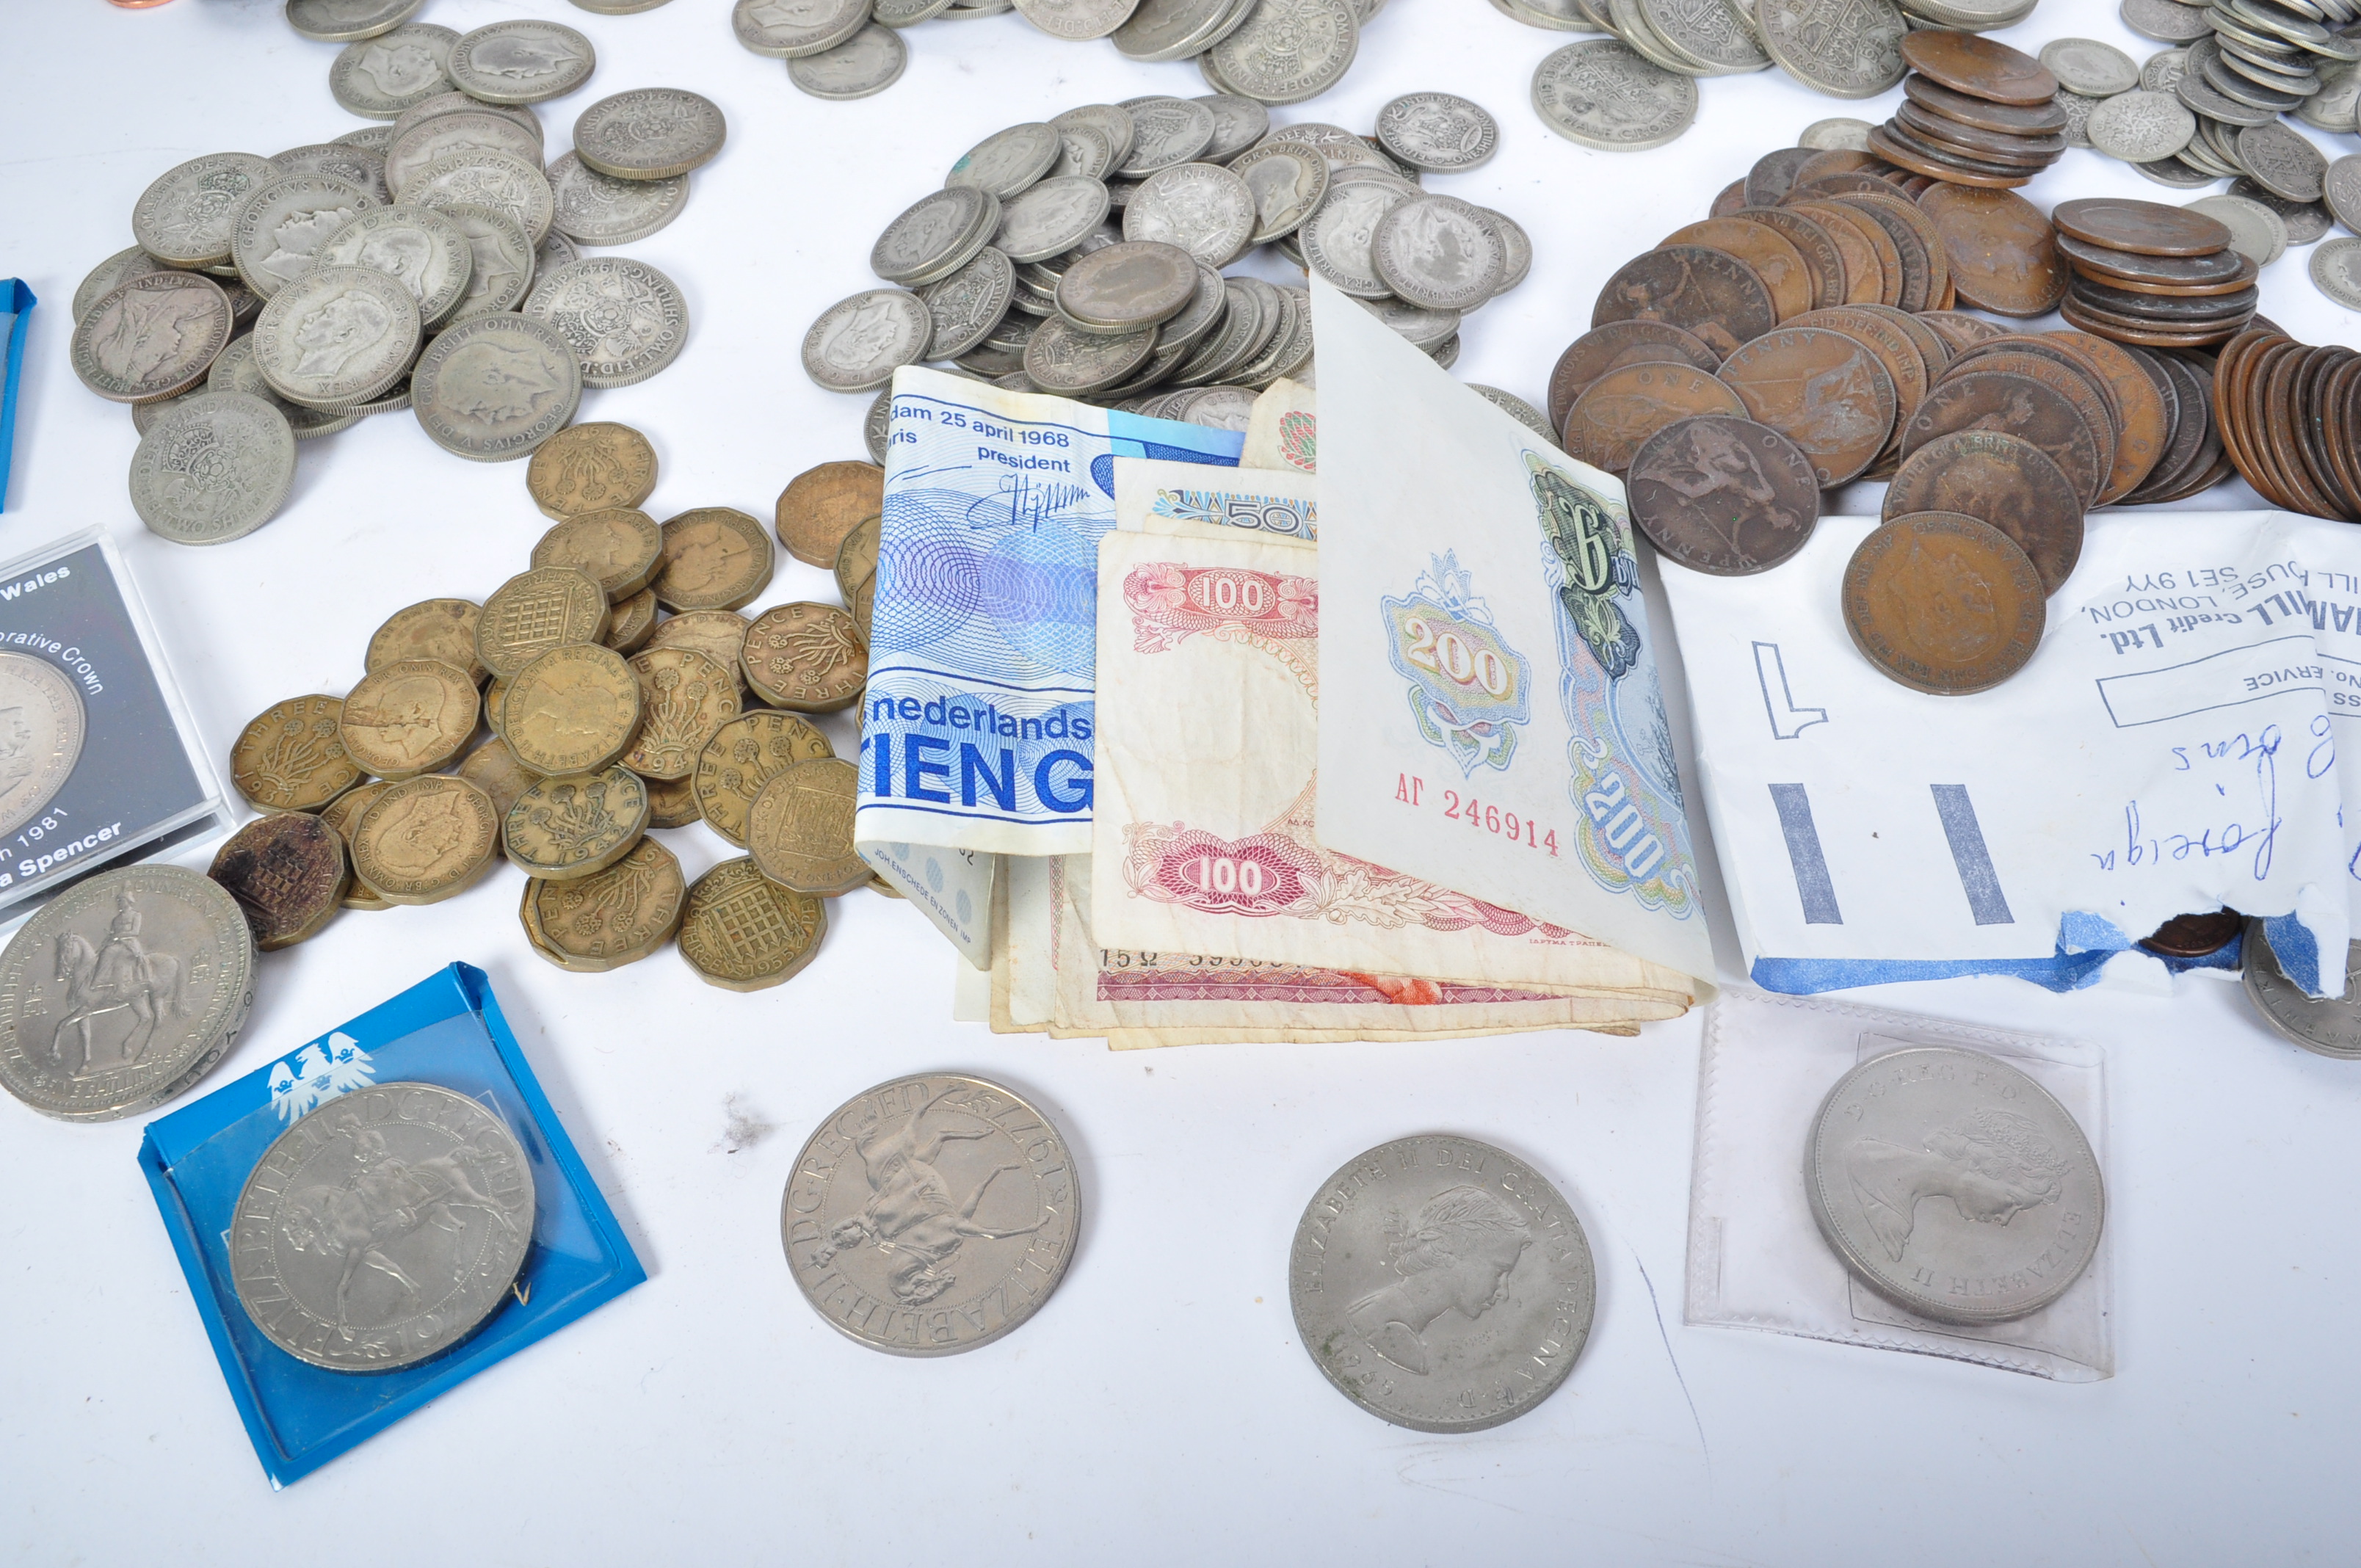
(2148,274)
(2289,422)
(1974,113)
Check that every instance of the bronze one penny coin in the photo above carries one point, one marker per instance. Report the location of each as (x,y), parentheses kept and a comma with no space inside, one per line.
(1722,495)
(2003,480)
(1905,362)
(1958,331)
(2002,251)
(288,872)
(821,505)
(1872,266)
(2143,421)
(1913,256)
(2194,936)
(1616,345)
(1822,390)
(1974,64)
(2168,312)
(1835,161)
(1895,207)
(2069,376)
(2036,148)
(1774,174)
(1625,407)
(2144,228)
(1707,293)
(1761,248)
(1937,163)
(2017,405)
(1728,199)
(2224,269)
(1943,604)
(2042,119)
(1823,261)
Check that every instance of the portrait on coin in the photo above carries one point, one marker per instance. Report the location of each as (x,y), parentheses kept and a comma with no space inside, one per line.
(338,331)
(405,716)
(1992,1167)
(1454,1254)
(494,382)
(398,67)
(421,833)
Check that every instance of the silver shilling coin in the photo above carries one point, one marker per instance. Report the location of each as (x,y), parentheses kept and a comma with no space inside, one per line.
(785,29)
(502,268)
(187,214)
(282,224)
(1437,252)
(1077,20)
(858,344)
(378,77)
(1124,287)
(1238,123)
(968,303)
(626,320)
(865,64)
(214,468)
(2331,1025)
(1205,209)
(1062,359)
(935,236)
(234,372)
(1442,1284)
(598,209)
(337,337)
(931,1214)
(122,991)
(1050,217)
(382,1228)
(1953,1185)
(1007,160)
(1288,180)
(1164,132)
(1440,132)
(523,62)
(1603,94)
(494,387)
(418,246)
(480,129)
(650,133)
(342,21)
(1288,51)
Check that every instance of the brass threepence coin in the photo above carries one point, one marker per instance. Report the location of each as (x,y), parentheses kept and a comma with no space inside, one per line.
(287,871)
(425,838)
(1722,495)
(719,634)
(856,571)
(573,710)
(576,826)
(685,697)
(537,610)
(2002,252)
(292,756)
(821,505)
(410,716)
(495,701)
(494,768)
(800,828)
(433,629)
(741,931)
(1625,407)
(1712,296)
(630,622)
(745,754)
(342,814)
(614,918)
(672,803)
(619,548)
(1822,389)
(1614,345)
(714,558)
(807,657)
(2001,480)
(591,467)
(1943,603)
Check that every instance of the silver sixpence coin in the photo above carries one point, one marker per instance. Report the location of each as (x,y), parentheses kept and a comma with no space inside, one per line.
(598,209)
(1440,132)
(187,215)
(2337,105)
(382,1228)
(934,236)
(502,268)
(2078,111)
(1437,252)
(2140,126)
(337,337)
(1008,161)
(126,265)
(1953,1185)
(1603,94)
(234,372)
(1077,20)
(2162,72)
(1050,218)
(122,991)
(1336,241)
(876,424)
(1517,408)
(494,387)
(2330,1026)
(2089,67)
(283,224)
(1122,288)
(1164,132)
(342,21)
(1289,51)
(378,77)
(214,468)
(863,65)
(968,303)
(2256,231)
(1205,209)
(151,337)
(355,166)
(521,62)
(493,179)
(1846,49)
(1442,1284)
(481,129)
(2336,271)
(1062,359)
(2340,191)
(858,344)
(2165,21)
(931,1214)
(2283,161)
(653,133)
(626,320)
(2305,221)
(1839,133)
(1288,182)
(424,250)
(785,29)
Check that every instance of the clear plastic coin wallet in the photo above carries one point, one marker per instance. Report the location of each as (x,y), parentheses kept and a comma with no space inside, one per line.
(1756,1258)
(446,1030)
(99,761)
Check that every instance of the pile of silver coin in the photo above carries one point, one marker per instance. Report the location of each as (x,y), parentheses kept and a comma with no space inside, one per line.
(1273,51)
(1084,256)
(1637,89)
(425,262)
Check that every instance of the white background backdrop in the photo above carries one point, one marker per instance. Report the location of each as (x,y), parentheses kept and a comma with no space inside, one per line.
(1158,1410)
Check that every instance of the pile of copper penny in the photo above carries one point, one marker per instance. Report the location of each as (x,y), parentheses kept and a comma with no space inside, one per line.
(2156,276)
(1973,113)
(2290,425)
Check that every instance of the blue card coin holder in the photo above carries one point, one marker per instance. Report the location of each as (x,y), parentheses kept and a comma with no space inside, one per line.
(446,1030)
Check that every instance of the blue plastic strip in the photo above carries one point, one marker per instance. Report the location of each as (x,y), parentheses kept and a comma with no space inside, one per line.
(16,302)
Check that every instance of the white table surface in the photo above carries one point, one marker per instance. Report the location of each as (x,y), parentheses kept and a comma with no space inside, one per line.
(1159,1408)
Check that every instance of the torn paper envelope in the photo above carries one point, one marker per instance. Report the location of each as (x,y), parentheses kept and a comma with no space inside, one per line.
(2171,749)
(1490,717)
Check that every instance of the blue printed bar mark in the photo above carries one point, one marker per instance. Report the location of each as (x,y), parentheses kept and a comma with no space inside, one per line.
(1977,878)
(1812,884)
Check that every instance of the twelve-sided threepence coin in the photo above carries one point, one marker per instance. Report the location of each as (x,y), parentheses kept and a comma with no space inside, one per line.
(215,466)
(1442,1284)
(931,1214)
(152,338)
(497,387)
(597,209)
(521,62)
(626,320)
(653,133)
(438,1190)
(858,344)
(336,337)
(2020,1204)
(1441,132)
(121,991)
(934,236)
